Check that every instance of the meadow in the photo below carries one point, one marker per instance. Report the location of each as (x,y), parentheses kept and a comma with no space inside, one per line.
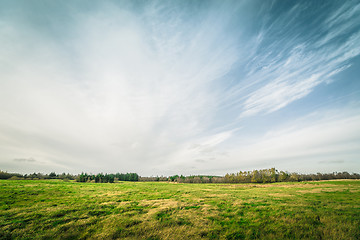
(55,209)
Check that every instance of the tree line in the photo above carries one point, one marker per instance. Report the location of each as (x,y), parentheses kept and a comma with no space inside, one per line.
(36,176)
(107,178)
(256,176)
(83,177)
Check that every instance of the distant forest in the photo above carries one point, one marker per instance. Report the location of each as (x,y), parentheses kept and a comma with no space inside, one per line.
(256,176)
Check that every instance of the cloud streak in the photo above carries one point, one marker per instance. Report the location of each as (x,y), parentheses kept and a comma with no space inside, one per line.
(302,63)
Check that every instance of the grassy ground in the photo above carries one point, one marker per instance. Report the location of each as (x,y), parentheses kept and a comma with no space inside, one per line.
(67,210)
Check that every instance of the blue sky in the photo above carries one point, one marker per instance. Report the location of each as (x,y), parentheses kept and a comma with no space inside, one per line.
(179,87)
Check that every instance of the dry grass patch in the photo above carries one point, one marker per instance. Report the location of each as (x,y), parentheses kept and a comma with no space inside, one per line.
(319,190)
(280,195)
(159,204)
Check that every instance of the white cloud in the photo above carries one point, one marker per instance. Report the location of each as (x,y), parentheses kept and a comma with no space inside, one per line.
(112,100)
(276,95)
(301,144)
(148,90)
(291,68)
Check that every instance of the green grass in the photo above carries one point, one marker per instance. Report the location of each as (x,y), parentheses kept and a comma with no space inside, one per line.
(54,209)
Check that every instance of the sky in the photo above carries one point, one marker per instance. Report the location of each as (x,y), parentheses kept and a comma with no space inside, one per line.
(179,87)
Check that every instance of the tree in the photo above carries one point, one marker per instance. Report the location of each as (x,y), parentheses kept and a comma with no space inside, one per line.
(256,177)
(283,176)
(52,175)
(5,175)
(294,177)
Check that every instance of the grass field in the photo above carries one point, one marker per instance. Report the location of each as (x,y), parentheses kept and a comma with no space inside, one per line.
(54,209)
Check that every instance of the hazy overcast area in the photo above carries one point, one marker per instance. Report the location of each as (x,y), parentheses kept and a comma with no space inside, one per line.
(179,87)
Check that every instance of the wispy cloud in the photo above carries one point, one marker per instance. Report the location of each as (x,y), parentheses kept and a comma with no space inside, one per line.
(321,137)
(129,99)
(156,87)
(24,160)
(293,65)
(331,162)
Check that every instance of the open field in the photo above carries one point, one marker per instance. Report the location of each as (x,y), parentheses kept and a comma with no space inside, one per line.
(53,209)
